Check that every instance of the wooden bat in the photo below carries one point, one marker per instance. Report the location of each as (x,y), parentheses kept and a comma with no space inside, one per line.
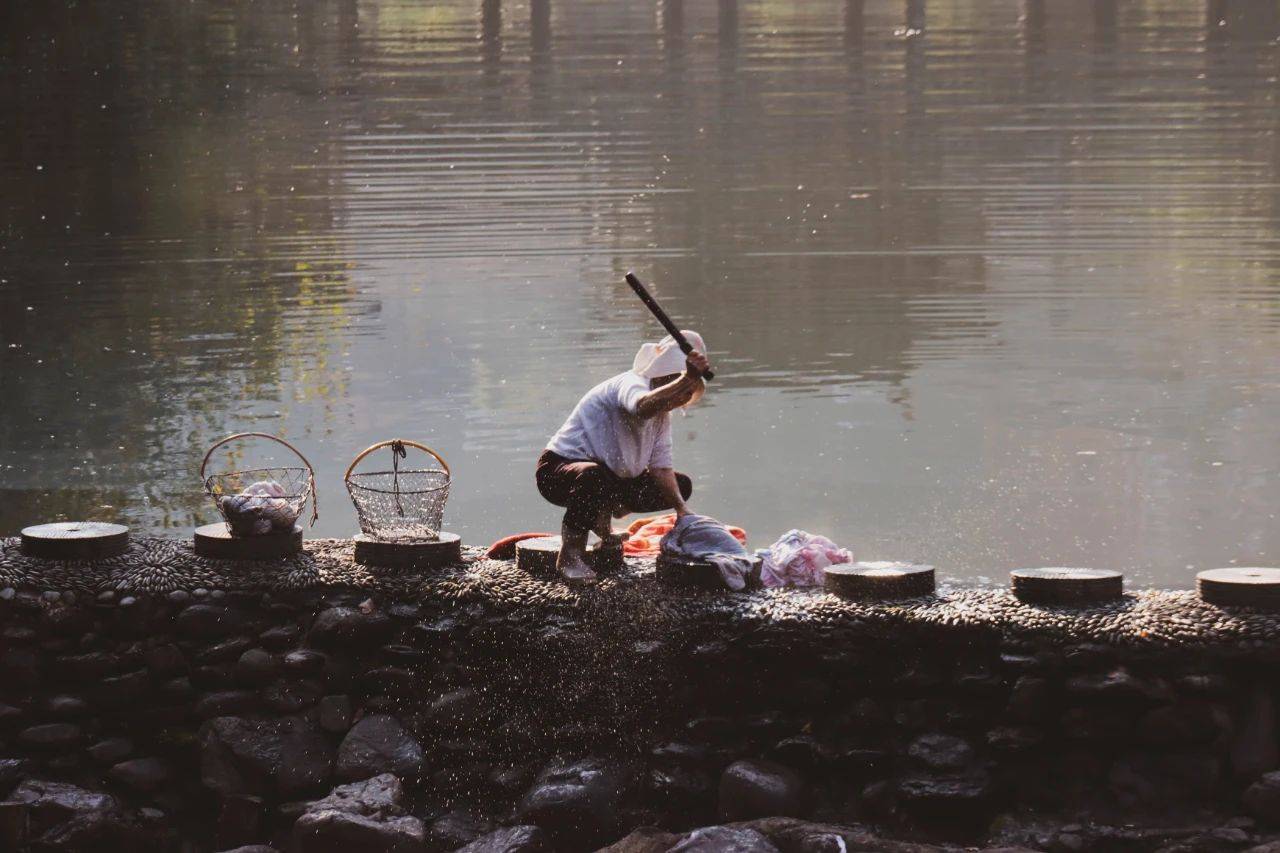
(672,329)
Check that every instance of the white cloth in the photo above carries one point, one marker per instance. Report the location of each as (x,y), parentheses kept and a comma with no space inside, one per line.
(703,539)
(798,558)
(603,427)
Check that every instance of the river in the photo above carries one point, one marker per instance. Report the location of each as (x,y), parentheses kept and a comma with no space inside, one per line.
(986,284)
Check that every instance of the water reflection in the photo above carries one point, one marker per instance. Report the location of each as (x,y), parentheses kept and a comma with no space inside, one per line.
(989,283)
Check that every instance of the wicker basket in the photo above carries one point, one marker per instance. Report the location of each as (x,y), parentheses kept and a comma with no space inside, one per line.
(261,501)
(402,504)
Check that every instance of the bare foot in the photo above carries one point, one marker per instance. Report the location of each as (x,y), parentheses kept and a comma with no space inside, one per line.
(574,569)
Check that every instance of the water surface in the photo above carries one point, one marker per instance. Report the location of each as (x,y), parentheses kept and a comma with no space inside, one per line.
(987,284)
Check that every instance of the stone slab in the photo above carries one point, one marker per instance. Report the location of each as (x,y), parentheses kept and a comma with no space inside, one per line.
(75,540)
(538,556)
(215,540)
(1066,586)
(446,550)
(878,580)
(1249,586)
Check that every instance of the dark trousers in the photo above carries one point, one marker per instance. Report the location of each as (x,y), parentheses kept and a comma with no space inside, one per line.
(586,488)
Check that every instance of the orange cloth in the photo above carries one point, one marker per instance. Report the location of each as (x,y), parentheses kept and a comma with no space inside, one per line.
(647,533)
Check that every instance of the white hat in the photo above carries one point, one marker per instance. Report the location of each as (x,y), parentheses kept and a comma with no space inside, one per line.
(665,358)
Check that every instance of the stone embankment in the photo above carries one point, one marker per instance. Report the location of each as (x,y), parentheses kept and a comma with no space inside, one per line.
(163,701)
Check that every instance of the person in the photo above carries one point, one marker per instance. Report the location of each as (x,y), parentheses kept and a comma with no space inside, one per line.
(613,454)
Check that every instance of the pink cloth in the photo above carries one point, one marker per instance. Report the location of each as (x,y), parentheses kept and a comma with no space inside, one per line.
(798,558)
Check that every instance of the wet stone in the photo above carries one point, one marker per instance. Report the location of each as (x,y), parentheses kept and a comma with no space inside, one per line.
(941,752)
(377,744)
(754,788)
(335,713)
(51,736)
(111,751)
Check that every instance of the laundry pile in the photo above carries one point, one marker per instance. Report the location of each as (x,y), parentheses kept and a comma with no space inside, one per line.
(645,535)
(261,508)
(798,558)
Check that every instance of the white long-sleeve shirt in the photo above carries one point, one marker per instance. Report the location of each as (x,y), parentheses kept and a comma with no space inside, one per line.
(604,428)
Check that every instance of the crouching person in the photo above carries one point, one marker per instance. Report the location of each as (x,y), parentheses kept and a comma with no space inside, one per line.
(612,457)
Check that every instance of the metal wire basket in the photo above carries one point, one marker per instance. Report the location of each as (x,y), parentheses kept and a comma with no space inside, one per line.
(403,503)
(260,501)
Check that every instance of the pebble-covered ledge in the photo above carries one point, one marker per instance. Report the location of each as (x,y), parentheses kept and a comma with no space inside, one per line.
(511,713)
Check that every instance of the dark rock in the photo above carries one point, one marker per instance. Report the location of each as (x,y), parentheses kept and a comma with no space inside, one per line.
(1014,738)
(724,839)
(458,710)
(252,848)
(216,677)
(578,803)
(683,791)
(335,713)
(10,717)
(1262,798)
(958,799)
(280,637)
(379,796)
(327,830)
(123,691)
(1166,778)
(292,696)
(20,668)
(257,667)
(178,690)
(1120,685)
(1255,747)
(165,661)
(67,707)
(239,819)
(761,789)
(350,628)
(941,752)
(111,751)
(456,829)
(226,703)
(1187,723)
(12,771)
(285,756)
(305,662)
(212,622)
(511,839)
(90,667)
(50,736)
(803,752)
(379,744)
(146,775)
(1099,723)
(225,651)
(390,680)
(1029,699)
(51,804)
(863,764)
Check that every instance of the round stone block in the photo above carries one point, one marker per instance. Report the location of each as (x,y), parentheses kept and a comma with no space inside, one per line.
(878,580)
(700,574)
(216,541)
(1243,587)
(75,540)
(446,550)
(538,556)
(1066,585)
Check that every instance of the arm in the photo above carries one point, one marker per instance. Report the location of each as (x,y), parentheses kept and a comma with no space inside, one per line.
(666,479)
(673,395)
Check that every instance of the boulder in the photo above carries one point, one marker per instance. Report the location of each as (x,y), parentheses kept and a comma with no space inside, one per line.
(335,713)
(66,817)
(954,800)
(379,744)
(1119,685)
(754,788)
(54,737)
(12,770)
(380,796)
(111,750)
(145,775)
(289,696)
(350,627)
(305,662)
(940,752)
(212,622)
(511,839)
(457,710)
(165,661)
(327,830)
(457,829)
(724,839)
(577,803)
(225,703)
(252,848)
(257,667)
(286,757)
(1262,798)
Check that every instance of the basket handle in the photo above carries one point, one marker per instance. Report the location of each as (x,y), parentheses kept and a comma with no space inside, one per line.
(311,472)
(346,478)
